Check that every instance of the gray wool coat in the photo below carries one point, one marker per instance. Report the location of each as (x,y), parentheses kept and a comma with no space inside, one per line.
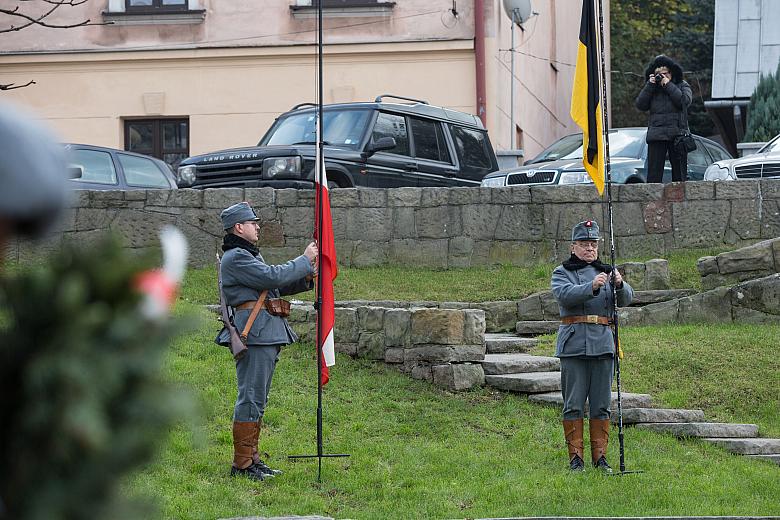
(665,105)
(245,276)
(574,292)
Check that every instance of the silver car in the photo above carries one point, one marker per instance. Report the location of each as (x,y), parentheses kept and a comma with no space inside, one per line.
(763,164)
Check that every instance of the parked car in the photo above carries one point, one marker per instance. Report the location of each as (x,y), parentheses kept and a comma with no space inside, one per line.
(99,168)
(379,144)
(762,164)
(561,162)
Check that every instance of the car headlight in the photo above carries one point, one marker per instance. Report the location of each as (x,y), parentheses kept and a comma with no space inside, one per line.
(186,176)
(494,182)
(282,166)
(716,172)
(575,178)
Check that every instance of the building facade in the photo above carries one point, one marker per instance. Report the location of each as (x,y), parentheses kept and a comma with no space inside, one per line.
(174,78)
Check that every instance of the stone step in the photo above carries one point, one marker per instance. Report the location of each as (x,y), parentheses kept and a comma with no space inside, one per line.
(749,446)
(771,458)
(629,400)
(703,429)
(531,383)
(495,364)
(642,298)
(660,415)
(506,343)
(536,328)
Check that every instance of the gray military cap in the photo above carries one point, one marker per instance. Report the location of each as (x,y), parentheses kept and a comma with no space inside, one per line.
(236,213)
(33,172)
(586,230)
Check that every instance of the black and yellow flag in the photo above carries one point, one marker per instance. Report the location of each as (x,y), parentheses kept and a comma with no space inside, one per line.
(586,97)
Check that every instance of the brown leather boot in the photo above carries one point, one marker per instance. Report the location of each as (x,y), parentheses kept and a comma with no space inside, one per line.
(256,460)
(572,432)
(244,438)
(599,438)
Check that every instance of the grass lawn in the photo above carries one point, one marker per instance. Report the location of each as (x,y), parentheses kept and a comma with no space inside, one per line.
(420,452)
(474,284)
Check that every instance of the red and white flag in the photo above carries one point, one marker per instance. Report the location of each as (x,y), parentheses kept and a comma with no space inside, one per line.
(323,229)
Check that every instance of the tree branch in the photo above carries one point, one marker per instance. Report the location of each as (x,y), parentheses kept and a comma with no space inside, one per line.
(41,19)
(12,86)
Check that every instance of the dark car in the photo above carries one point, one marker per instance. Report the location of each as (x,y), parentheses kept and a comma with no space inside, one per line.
(379,145)
(99,168)
(561,163)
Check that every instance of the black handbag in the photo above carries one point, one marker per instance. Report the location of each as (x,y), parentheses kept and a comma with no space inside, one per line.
(684,143)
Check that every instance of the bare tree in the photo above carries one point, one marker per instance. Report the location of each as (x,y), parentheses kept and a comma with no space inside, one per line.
(36,12)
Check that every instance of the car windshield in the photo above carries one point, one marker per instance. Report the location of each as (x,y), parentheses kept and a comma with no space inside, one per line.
(622,143)
(771,146)
(343,128)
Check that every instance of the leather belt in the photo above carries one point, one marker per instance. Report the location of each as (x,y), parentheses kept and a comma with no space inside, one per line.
(245,305)
(594,319)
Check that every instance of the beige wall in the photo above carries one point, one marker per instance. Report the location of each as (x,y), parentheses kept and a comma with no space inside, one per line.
(232,84)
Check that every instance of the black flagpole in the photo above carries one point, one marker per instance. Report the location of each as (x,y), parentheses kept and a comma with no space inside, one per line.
(319,172)
(608,175)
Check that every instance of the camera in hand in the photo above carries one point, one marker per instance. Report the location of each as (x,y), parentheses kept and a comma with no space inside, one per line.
(659,78)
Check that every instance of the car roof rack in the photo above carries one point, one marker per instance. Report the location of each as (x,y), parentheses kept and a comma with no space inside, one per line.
(380,98)
(300,105)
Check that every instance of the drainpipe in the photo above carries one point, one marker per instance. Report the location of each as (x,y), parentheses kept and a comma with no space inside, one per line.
(479,55)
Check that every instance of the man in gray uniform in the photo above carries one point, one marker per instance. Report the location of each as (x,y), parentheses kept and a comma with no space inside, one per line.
(245,275)
(586,345)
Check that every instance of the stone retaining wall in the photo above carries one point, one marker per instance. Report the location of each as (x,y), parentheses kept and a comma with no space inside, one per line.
(440,227)
(747,263)
(443,346)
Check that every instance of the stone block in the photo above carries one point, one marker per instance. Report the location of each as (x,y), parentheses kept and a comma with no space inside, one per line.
(762,295)
(520,222)
(296,222)
(564,194)
(753,446)
(770,218)
(344,198)
(430,197)
(744,221)
(707,265)
(460,251)
(436,222)
(474,327)
(512,252)
(371,345)
(458,377)
(370,318)
(404,197)
(80,198)
(657,217)
(512,195)
(529,308)
(657,274)
(397,327)
(550,308)
(366,254)
(631,220)
(403,223)
(478,196)
(530,383)
(372,197)
(479,222)
(660,313)
(660,295)
(689,218)
(708,307)
(638,192)
(345,329)
(138,229)
(640,245)
(270,233)
(776,253)
(439,326)
(369,223)
(431,252)
(634,274)
(700,190)
(349,349)
(674,192)
(753,258)
(744,189)
(286,198)
(135,195)
(444,353)
(660,415)
(537,327)
(500,315)
(394,355)
(495,364)
(631,316)
(703,429)
(260,197)
(422,371)
(91,218)
(747,315)
(221,198)
(185,198)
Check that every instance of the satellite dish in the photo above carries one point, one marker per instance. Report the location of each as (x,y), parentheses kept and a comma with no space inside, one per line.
(518,10)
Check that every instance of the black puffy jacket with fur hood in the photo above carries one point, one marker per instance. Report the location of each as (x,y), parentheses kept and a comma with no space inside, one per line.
(665,104)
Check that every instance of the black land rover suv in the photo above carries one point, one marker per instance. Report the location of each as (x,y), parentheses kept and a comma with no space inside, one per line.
(378,145)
